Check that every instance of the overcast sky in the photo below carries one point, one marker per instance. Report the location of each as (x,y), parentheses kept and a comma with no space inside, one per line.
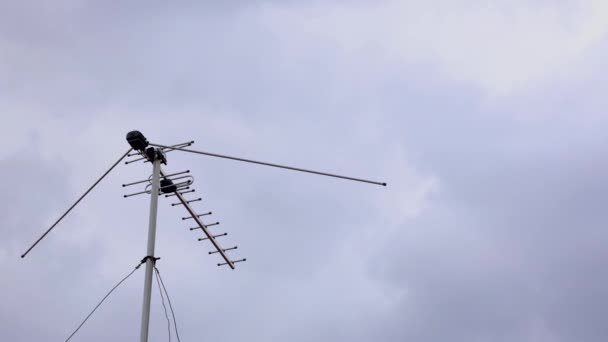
(489,122)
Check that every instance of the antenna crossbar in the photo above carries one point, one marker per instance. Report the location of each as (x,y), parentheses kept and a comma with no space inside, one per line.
(181,192)
(198,215)
(190,201)
(234,262)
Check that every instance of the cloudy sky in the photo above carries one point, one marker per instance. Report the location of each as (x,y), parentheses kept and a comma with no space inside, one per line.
(487,119)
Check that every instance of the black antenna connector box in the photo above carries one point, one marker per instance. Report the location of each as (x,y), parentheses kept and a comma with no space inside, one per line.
(137,140)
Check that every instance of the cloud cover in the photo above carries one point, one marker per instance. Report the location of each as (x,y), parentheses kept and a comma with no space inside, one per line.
(487,121)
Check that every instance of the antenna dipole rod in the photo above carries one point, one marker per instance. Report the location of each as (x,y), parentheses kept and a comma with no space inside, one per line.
(271,164)
(76,203)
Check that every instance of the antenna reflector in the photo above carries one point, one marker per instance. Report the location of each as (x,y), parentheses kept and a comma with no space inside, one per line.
(149,179)
(135,160)
(138,193)
(134,183)
(174,174)
(167,185)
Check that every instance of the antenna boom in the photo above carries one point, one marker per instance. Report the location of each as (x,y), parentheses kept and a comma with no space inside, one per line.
(200,223)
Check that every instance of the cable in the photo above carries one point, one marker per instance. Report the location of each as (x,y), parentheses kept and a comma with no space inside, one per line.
(162,298)
(104,298)
(168,300)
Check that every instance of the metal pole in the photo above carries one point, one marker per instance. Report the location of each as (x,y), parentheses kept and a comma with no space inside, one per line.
(145,315)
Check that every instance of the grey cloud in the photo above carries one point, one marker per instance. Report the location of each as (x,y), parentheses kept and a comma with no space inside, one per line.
(508,248)
(512,249)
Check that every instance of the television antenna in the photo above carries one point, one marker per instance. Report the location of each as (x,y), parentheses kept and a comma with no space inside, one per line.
(176,185)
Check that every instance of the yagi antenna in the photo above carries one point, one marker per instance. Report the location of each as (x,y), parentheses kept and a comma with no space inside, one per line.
(177,184)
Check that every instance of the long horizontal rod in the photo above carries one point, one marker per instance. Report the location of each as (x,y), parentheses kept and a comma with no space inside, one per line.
(76,203)
(273,165)
(202,225)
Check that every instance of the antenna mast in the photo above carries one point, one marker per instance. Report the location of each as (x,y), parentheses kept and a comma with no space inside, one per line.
(174,184)
(150,258)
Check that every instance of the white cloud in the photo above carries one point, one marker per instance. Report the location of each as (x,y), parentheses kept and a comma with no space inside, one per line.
(409,190)
(498,46)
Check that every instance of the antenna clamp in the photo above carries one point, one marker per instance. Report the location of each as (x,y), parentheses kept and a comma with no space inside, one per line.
(143,261)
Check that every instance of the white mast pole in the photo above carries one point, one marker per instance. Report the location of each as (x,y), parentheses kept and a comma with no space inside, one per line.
(145,316)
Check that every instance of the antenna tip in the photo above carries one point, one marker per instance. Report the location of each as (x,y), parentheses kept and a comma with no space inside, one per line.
(383,184)
(23,256)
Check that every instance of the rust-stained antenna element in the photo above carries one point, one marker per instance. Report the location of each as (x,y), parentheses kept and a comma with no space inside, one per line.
(203,227)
